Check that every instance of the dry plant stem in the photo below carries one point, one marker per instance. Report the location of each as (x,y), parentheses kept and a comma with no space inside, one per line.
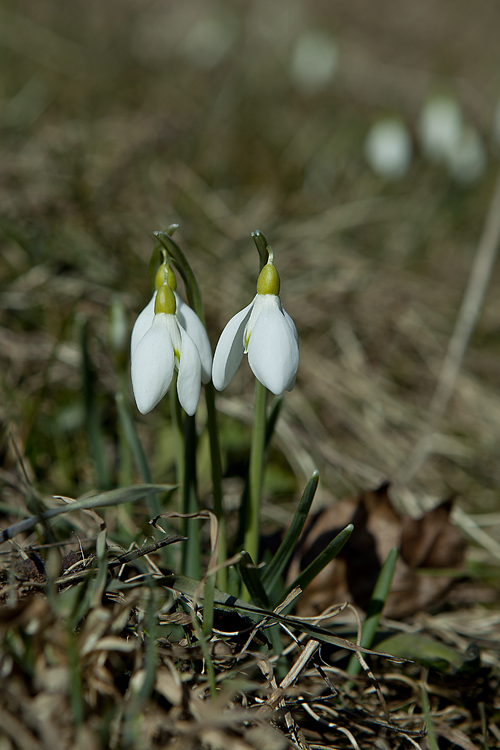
(464,326)
(256,473)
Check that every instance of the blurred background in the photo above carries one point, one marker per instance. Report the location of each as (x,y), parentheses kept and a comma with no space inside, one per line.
(362,138)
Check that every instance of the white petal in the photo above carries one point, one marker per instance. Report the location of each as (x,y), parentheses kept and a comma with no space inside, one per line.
(290,322)
(173,328)
(273,352)
(189,377)
(229,350)
(142,323)
(152,365)
(197,331)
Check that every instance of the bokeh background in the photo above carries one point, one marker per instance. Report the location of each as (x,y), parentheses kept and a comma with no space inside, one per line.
(361,137)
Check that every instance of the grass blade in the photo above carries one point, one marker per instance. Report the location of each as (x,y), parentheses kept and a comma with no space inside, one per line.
(317,565)
(132,438)
(93,420)
(277,565)
(251,578)
(101,500)
(192,589)
(377,603)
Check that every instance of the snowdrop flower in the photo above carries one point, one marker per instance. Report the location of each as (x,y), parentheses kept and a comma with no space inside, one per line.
(165,345)
(388,148)
(265,332)
(186,317)
(440,127)
(314,61)
(468,160)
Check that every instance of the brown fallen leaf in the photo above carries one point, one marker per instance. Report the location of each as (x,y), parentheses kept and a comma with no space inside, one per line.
(427,542)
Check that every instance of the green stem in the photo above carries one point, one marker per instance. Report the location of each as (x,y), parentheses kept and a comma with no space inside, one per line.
(177,427)
(256,473)
(191,552)
(215,457)
(194,299)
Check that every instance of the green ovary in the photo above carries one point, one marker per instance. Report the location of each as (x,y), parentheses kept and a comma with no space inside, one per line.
(165,300)
(269,280)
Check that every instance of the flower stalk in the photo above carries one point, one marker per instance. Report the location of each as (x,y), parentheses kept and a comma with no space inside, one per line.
(195,301)
(256,472)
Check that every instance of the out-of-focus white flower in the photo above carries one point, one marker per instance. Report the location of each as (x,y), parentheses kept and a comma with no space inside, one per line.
(314,60)
(187,318)
(165,345)
(440,127)
(446,139)
(265,332)
(210,39)
(467,162)
(388,148)
(118,331)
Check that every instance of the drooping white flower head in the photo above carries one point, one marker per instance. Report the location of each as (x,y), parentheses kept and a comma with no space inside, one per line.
(164,346)
(186,316)
(265,332)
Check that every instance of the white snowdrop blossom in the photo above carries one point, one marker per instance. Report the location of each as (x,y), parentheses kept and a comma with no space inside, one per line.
(388,148)
(164,346)
(314,61)
(186,316)
(265,332)
(440,127)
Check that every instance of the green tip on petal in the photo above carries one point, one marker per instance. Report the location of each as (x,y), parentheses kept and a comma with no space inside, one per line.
(165,300)
(269,280)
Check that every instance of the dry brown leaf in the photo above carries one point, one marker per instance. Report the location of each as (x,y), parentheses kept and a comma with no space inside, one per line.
(427,542)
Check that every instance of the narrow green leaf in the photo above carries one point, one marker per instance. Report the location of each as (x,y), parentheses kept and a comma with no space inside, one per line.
(100,500)
(377,604)
(262,246)
(208,609)
(150,661)
(97,586)
(425,651)
(154,262)
(189,587)
(132,438)
(277,565)
(431,734)
(317,565)
(251,578)
(93,419)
